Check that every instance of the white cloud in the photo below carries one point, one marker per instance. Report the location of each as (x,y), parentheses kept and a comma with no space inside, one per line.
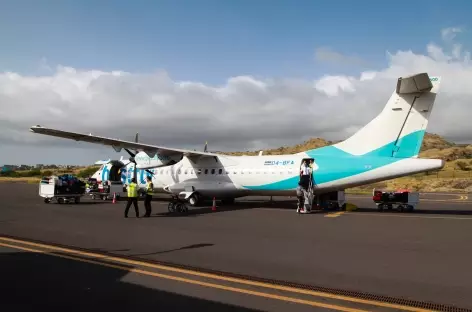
(245,113)
(448,34)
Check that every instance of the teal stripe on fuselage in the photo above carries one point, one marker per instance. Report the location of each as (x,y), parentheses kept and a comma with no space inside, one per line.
(335,164)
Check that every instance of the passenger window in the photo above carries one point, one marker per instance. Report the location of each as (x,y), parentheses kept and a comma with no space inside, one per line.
(191,171)
(199,171)
(206,171)
(212,171)
(220,171)
(162,171)
(185,171)
(179,171)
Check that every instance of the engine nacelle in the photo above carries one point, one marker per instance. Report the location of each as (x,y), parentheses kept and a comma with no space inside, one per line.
(145,161)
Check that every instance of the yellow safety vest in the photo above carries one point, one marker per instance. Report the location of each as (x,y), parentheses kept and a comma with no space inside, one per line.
(149,188)
(132,190)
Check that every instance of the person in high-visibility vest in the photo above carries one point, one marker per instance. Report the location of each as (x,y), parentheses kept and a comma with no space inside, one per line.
(132,198)
(148,198)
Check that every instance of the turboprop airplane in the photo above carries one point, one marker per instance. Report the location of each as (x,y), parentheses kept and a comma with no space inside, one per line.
(386,148)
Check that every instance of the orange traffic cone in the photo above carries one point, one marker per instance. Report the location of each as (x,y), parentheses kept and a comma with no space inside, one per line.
(114,198)
(213,208)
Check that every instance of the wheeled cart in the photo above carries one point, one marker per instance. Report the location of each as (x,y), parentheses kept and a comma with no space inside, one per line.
(51,188)
(402,200)
(178,204)
(107,190)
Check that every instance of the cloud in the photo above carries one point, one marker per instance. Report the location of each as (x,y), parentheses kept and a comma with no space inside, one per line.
(448,34)
(243,113)
(326,54)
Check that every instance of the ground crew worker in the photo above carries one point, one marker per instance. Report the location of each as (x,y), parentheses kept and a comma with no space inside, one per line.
(132,198)
(148,198)
(305,174)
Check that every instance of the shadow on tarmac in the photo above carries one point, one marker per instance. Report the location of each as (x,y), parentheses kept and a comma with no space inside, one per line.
(32,281)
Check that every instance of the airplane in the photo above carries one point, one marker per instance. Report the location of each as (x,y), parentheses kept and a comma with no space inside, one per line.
(385,148)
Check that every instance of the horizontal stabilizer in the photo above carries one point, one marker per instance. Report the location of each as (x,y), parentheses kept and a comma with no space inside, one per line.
(102,162)
(414,84)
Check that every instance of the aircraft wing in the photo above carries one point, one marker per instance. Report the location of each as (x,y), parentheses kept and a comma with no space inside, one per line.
(119,144)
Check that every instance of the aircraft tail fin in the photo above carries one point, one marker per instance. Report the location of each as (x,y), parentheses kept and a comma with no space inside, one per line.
(398,131)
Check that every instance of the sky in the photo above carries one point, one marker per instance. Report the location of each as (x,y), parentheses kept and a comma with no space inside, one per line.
(242,75)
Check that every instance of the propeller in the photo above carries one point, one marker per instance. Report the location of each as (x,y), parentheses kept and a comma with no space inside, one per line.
(131,159)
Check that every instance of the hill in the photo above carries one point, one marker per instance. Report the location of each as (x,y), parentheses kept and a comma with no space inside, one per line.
(455,177)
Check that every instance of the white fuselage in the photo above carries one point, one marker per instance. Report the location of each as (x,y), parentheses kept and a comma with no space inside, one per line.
(237,176)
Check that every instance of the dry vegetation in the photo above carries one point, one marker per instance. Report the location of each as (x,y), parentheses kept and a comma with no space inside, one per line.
(455,177)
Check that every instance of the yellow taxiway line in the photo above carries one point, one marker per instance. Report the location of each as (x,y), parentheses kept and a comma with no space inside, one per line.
(334,214)
(205,275)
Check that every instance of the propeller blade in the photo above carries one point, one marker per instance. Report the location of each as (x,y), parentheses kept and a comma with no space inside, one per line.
(129,152)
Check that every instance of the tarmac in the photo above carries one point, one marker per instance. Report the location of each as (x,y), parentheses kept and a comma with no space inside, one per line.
(421,255)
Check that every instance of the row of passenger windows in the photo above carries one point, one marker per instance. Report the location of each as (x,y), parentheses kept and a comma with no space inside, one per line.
(221,171)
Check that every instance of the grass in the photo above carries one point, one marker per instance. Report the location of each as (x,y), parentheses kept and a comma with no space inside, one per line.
(456,176)
(29,180)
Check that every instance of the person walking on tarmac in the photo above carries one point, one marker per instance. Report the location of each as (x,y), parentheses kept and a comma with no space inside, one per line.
(148,198)
(132,198)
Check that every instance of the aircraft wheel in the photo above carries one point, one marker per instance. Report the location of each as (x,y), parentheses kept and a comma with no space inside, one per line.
(194,200)
(410,208)
(60,200)
(380,207)
(47,200)
(77,200)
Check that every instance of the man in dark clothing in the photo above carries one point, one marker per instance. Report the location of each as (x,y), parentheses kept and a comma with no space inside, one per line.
(148,198)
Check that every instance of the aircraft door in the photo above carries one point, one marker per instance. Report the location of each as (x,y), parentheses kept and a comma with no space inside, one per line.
(306,172)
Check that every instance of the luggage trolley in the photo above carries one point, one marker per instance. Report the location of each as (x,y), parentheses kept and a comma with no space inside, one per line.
(106,189)
(402,199)
(50,190)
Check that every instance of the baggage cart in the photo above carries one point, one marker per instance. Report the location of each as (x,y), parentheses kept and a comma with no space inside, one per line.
(107,189)
(401,199)
(51,188)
